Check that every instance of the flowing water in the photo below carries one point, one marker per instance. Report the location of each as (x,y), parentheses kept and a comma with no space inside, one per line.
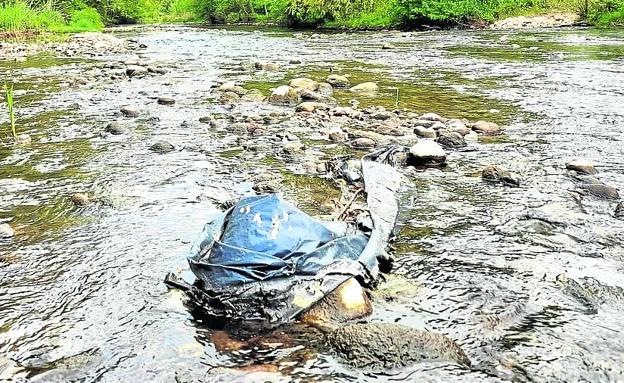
(81,288)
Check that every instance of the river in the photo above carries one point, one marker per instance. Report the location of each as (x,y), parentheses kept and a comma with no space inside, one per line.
(81,288)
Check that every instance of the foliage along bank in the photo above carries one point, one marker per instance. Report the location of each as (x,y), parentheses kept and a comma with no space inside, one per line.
(82,15)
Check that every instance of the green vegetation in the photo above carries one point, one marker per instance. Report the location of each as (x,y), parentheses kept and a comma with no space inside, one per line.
(8,96)
(18,16)
(85,15)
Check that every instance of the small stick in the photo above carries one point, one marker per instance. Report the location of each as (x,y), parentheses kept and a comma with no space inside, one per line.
(344,209)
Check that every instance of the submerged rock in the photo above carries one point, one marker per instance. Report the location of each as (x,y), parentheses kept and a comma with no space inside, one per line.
(426,152)
(162,147)
(284,95)
(485,127)
(129,111)
(136,71)
(386,346)
(600,190)
(367,87)
(619,211)
(115,128)
(229,98)
(581,166)
(6,231)
(495,173)
(80,199)
(166,101)
(337,81)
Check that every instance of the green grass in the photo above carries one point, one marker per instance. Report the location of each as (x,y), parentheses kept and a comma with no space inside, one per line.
(8,92)
(19,16)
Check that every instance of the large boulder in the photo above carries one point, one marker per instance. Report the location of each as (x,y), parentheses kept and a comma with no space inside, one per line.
(426,153)
(304,83)
(366,87)
(337,81)
(284,95)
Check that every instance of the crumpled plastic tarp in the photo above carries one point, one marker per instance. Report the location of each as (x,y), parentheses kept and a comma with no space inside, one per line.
(265,260)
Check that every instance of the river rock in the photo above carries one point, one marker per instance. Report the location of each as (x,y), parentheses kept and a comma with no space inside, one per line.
(458,127)
(293,147)
(269,67)
(6,231)
(423,123)
(601,190)
(426,152)
(284,95)
(115,128)
(231,86)
(432,117)
(366,87)
(130,111)
(309,95)
(136,71)
(496,173)
(619,211)
(471,137)
(304,83)
(229,98)
(80,199)
(325,89)
(166,101)
(310,106)
(157,70)
(484,127)
(337,81)
(22,139)
(388,47)
(337,135)
(206,119)
(450,139)
(363,143)
(581,166)
(254,95)
(162,147)
(421,131)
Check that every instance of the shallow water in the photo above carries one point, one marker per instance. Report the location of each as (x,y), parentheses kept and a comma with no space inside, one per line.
(81,292)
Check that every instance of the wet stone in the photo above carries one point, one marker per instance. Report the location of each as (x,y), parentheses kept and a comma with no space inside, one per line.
(293,147)
(426,153)
(337,81)
(367,87)
(80,199)
(206,119)
(421,131)
(450,139)
(325,89)
(6,231)
(115,128)
(130,111)
(619,211)
(496,173)
(229,98)
(166,101)
(310,106)
(162,147)
(432,117)
(304,83)
(363,143)
(253,95)
(600,190)
(581,166)
(136,71)
(485,127)
(284,95)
